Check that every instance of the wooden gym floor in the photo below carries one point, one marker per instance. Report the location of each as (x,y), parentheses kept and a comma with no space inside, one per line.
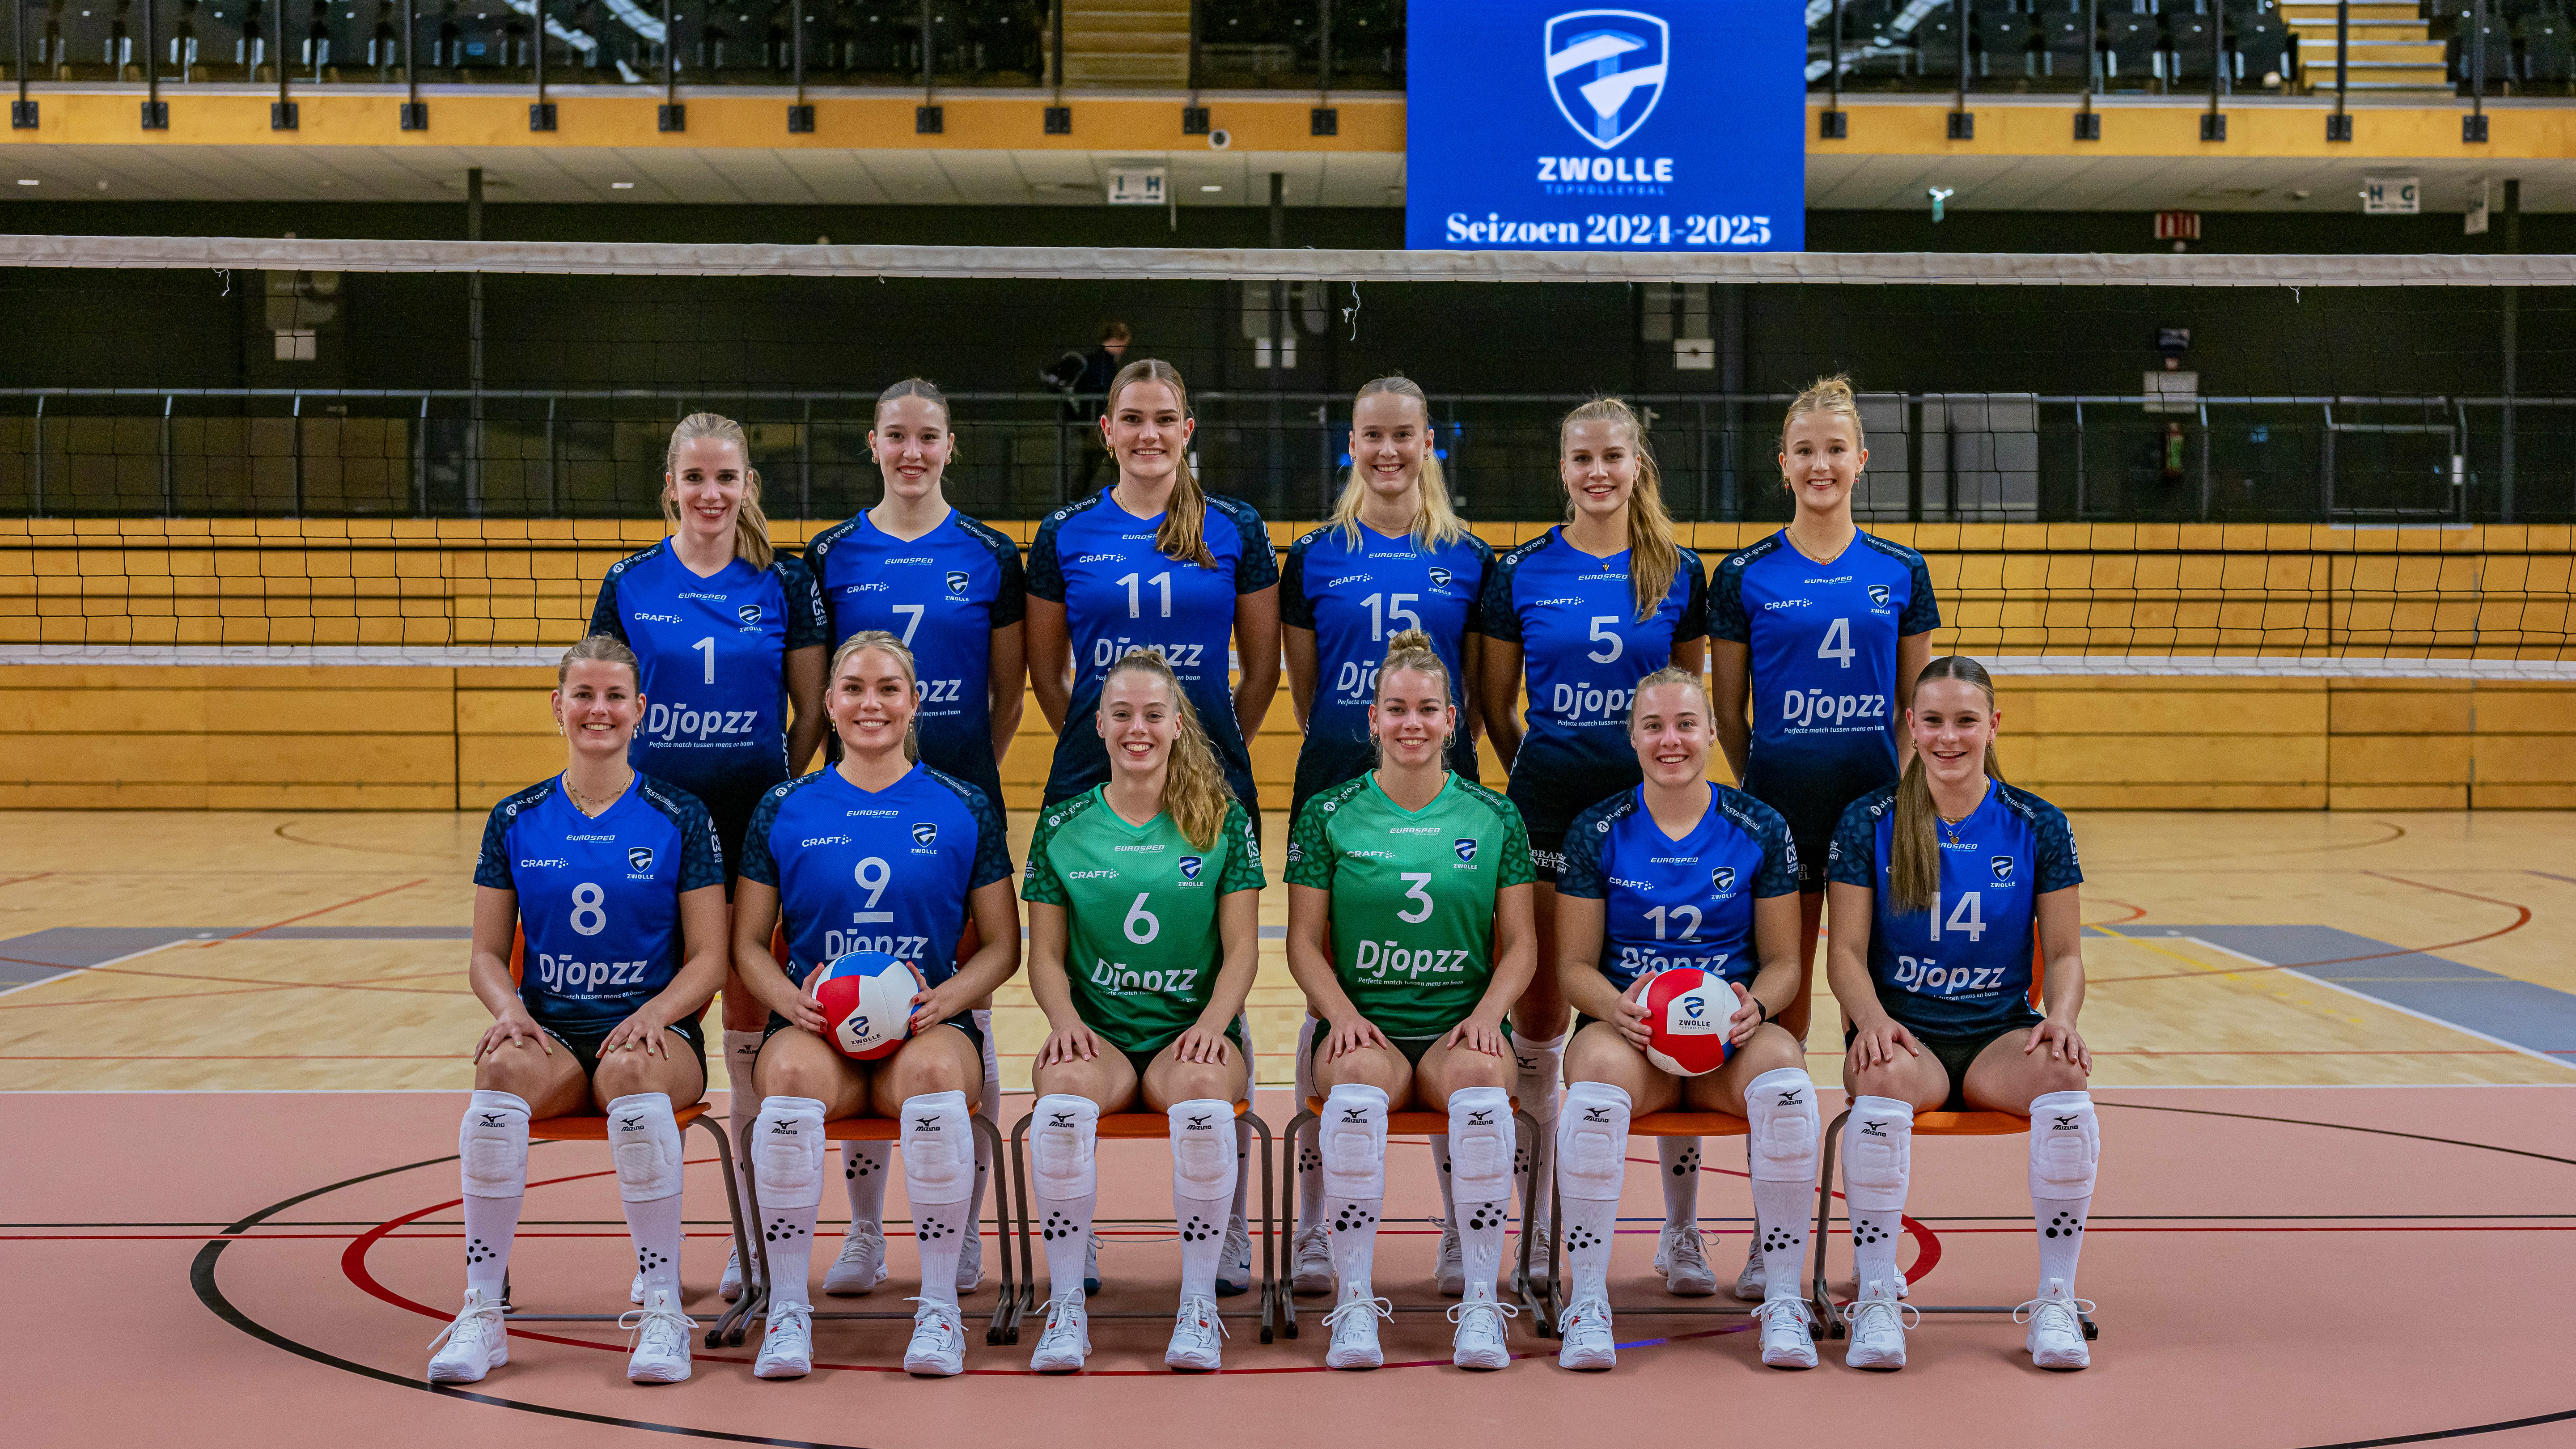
(2335,1051)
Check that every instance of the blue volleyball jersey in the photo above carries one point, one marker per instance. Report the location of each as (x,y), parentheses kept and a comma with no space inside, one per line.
(1583,649)
(888,870)
(1961,968)
(1826,698)
(599,899)
(1354,599)
(714,656)
(1686,902)
(1119,593)
(943,594)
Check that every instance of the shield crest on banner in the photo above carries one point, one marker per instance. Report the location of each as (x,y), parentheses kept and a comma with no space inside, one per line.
(1879,595)
(1439,578)
(1723,878)
(1467,849)
(1605,70)
(924,832)
(748,613)
(956,581)
(2003,865)
(640,859)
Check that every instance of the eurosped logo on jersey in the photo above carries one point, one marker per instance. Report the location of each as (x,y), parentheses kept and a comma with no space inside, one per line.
(1675,127)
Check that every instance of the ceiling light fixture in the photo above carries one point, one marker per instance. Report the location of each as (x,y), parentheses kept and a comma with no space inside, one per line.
(1203,188)
(621,186)
(29,181)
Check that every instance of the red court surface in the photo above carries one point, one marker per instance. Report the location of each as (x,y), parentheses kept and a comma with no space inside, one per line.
(2274,1266)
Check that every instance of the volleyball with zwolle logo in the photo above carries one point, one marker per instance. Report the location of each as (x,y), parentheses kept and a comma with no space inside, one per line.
(866,998)
(1687,1012)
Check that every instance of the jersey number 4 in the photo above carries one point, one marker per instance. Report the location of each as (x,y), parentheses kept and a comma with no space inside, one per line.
(1838,644)
(1967,917)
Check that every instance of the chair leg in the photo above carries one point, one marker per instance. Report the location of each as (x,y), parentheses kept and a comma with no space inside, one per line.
(1821,1298)
(1026,1298)
(1269,1232)
(1551,1323)
(1287,1280)
(1540,1321)
(729,1322)
(1007,1293)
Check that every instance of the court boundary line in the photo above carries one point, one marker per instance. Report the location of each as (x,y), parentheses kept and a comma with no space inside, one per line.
(2532,1052)
(68,972)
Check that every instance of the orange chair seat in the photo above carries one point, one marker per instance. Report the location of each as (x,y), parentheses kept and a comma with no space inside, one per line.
(1689,1124)
(1411,1119)
(595,1129)
(1969,1124)
(1117,1126)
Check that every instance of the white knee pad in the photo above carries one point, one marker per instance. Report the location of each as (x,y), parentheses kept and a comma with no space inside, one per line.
(1878,1154)
(644,1144)
(1541,1071)
(1480,1144)
(938,1149)
(1592,1142)
(1203,1156)
(492,1145)
(2065,1145)
(1063,1146)
(1781,1106)
(787,1152)
(1353,1139)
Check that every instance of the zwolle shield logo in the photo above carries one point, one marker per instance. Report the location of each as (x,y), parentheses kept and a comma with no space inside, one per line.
(2003,865)
(1723,878)
(1467,849)
(1440,578)
(1879,595)
(640,859)
(748,613)
(956,581)
(1606,70)
(1190,867)
(924,832)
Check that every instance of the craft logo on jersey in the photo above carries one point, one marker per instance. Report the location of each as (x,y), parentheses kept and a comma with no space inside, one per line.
(1606,70)
(956,581)
(748,613)
(924,832)
(640,859)
(1467,849)
(1722,878)
(1189,867)
(1878,594)
(1439,578)
(2003,869)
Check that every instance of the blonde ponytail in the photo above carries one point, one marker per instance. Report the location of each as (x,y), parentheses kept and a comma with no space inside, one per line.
(1913,844)
(1183,535)
(1653,556)
(1831,396)
(750,525)
(1436,523)
(1195,793)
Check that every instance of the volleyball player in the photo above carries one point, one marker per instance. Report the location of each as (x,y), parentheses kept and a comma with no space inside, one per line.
(951,589)
(876,853)
(1584,611)
(1144,899)
(1679,872)
(617,882)
(1153,561)
(1394,555)
(1956,872)
(1815,626)
(730,633)
(1409,932)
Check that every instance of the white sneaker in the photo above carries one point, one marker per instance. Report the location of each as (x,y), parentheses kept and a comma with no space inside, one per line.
(1354,1326)
(1197,1332)
(1453,1263)
(786,1343)
(970,1265)
(1314,1259)
(861,1265)
(477,1343)
(635,1291)
(1787,1341)
(1588,1343)
(1750,1284)
(938,1347)
(1090,1264)
(1067,1339)
(2056,1336)
(1877,1320)
(730,1285)
(1482,1339)
(1682,1258)
(1234,1267)
(661,1340)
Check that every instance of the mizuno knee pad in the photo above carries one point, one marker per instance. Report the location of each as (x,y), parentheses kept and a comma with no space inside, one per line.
(1203,1155)
(1878,1154)
(787,1152)
(1353,1133)
(1781,1106)
(1480,1144)
(938,1149)
(492,1145)
(1592,1142)
(1063,1147)
(644,1144)
(2065,1145)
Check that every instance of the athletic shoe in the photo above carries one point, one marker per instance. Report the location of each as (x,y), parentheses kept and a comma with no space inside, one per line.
(1314,1256)
(661,1340)
(786,1343)
(1588,1343)
(1750,1285)
(635,1291)
(1453,1263)
(476,1343)
(1878,1327)
(1354,1326)
(861,1265)
(1196,1335)
(2056,1336)
(938,1347)
(1682,1258)
(1090,1264)
(1067,1339)
(970,1265)
(1234,1268)
(1481,1341)
(730,1285)
(1787,1341)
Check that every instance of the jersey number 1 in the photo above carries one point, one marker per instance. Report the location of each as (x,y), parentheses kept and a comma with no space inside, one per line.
(1135,605)
(1967,918)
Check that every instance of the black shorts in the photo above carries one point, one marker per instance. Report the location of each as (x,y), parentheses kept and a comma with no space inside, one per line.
(1956,1054)
(584,1045)
(1413,1047)
(1811,808)
(964,1021)
(1548,808)
(1140,1060)
(729,806)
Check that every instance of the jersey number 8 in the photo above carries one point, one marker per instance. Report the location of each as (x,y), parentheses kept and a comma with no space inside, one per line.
(589,909)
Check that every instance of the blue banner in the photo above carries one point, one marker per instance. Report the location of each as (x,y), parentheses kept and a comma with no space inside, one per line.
(1531,126)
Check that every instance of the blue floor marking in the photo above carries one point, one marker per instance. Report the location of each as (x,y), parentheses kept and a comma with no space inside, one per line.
(42,955)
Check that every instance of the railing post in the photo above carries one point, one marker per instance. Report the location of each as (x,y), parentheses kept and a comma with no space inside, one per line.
(281,116)
(2512,328)
(169,493)
(36,495)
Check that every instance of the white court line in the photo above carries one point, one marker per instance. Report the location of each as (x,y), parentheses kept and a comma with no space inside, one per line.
(2390,1005)
(69,972)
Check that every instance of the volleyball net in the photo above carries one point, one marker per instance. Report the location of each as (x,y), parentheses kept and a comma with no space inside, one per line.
(255,450)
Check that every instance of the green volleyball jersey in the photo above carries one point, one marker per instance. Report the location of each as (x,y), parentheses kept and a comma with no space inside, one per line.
(1413,895)
(1142,949)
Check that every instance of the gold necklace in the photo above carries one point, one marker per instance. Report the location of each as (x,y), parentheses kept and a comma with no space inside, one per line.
(592,808)
(1809,556)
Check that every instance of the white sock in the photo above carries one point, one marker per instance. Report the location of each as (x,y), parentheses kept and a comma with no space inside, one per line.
(1480,1121)
(863,1173)
(1783,1146)
(1064,1182)
(1588,1229)
(1592,1161)
(1878,1156)
(939,1176)
(1540,1087)
(1310,1160)
(1353,1143)
(741,1054)
(787,1162)
(644,1147)
(1442,1168)
(2065,1147)
(1204,1173)
(492,1159)
(1680,1157)
(990,1107)
(655,1227)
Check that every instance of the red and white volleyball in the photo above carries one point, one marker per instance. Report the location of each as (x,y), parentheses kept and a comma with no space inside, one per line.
(1687,1012)
(866,998)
